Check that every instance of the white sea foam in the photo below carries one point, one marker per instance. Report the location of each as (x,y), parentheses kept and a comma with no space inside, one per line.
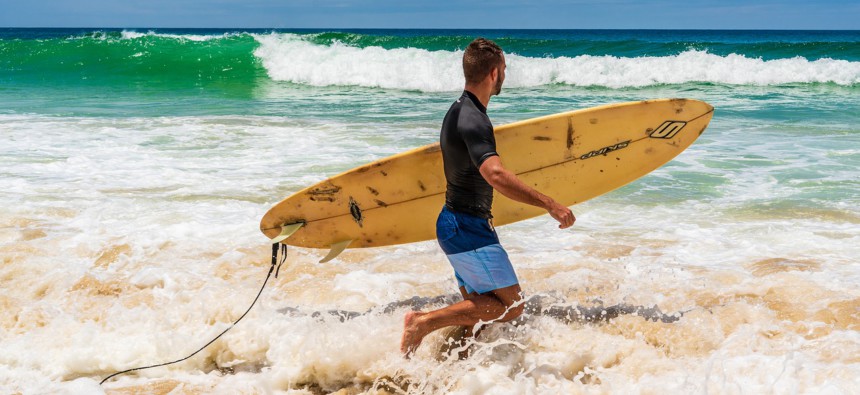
(131,35)
(290,57)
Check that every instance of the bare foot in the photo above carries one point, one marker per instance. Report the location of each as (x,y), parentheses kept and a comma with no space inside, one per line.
(412,334)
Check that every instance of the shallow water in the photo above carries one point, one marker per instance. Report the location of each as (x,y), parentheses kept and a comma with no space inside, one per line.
(129,229)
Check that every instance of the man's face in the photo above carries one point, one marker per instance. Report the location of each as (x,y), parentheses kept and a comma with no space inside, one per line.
(501,76)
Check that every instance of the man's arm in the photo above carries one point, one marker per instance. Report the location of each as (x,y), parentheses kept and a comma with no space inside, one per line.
(509,185)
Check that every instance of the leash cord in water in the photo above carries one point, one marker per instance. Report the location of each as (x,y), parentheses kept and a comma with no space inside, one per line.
(274,263)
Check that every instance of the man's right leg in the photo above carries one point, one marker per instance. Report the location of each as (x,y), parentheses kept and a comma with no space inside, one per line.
(496,305)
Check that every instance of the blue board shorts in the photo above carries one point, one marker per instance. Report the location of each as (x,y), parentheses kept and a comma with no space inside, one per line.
(480,263)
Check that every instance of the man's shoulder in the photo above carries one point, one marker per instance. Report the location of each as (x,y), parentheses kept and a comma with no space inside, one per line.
(472,119)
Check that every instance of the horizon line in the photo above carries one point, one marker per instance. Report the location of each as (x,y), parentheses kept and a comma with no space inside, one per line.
(411,28)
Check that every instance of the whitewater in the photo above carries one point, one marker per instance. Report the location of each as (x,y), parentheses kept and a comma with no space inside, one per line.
(293,59)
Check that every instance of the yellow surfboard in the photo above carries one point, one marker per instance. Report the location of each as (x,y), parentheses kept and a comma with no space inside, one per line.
(571,157)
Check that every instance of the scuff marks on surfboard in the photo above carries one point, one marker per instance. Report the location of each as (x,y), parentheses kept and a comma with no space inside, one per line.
(325,192)
(569,133)
(568,154)
(679,105)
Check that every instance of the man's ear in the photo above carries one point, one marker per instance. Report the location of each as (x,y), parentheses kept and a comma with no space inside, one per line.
(494,74)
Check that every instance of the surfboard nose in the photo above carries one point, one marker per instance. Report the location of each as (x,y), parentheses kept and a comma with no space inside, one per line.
(708,107)
(701,105)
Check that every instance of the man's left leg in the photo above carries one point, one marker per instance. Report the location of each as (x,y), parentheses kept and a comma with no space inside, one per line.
(470,332)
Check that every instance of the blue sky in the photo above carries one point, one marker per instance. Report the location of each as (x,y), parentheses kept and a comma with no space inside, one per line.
(545,14)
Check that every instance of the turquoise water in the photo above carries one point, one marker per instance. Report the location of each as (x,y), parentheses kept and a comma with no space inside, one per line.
(136,164)
(79,72)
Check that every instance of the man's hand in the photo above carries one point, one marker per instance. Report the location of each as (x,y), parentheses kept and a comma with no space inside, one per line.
(561,214)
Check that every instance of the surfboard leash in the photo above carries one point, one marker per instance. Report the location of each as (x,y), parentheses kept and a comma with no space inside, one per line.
(275,252)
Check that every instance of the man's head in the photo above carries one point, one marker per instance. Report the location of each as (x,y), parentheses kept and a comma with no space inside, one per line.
(484,58)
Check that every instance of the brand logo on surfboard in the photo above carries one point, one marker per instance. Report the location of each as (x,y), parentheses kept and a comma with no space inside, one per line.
(606,150)
(667,130)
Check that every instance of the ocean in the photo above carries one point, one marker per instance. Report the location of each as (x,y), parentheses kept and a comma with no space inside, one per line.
(135,166)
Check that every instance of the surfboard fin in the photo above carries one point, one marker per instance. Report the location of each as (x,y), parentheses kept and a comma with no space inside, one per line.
(336,249)
(287,231)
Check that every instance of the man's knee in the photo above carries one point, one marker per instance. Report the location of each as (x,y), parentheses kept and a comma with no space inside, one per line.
(511,297)
(513,312)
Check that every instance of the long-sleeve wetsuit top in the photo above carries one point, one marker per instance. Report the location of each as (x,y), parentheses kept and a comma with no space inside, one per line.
(467,140)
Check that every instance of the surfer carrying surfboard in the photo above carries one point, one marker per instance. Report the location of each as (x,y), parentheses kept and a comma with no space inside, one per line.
(464,229)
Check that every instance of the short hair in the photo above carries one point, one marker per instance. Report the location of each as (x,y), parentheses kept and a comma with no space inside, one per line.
(480,58)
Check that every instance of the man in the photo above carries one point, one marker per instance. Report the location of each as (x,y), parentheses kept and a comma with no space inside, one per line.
(464,229)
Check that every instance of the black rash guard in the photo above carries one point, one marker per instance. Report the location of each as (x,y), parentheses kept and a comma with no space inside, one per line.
(467,140)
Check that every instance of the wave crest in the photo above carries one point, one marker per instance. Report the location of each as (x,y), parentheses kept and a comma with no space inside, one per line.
(292,58)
